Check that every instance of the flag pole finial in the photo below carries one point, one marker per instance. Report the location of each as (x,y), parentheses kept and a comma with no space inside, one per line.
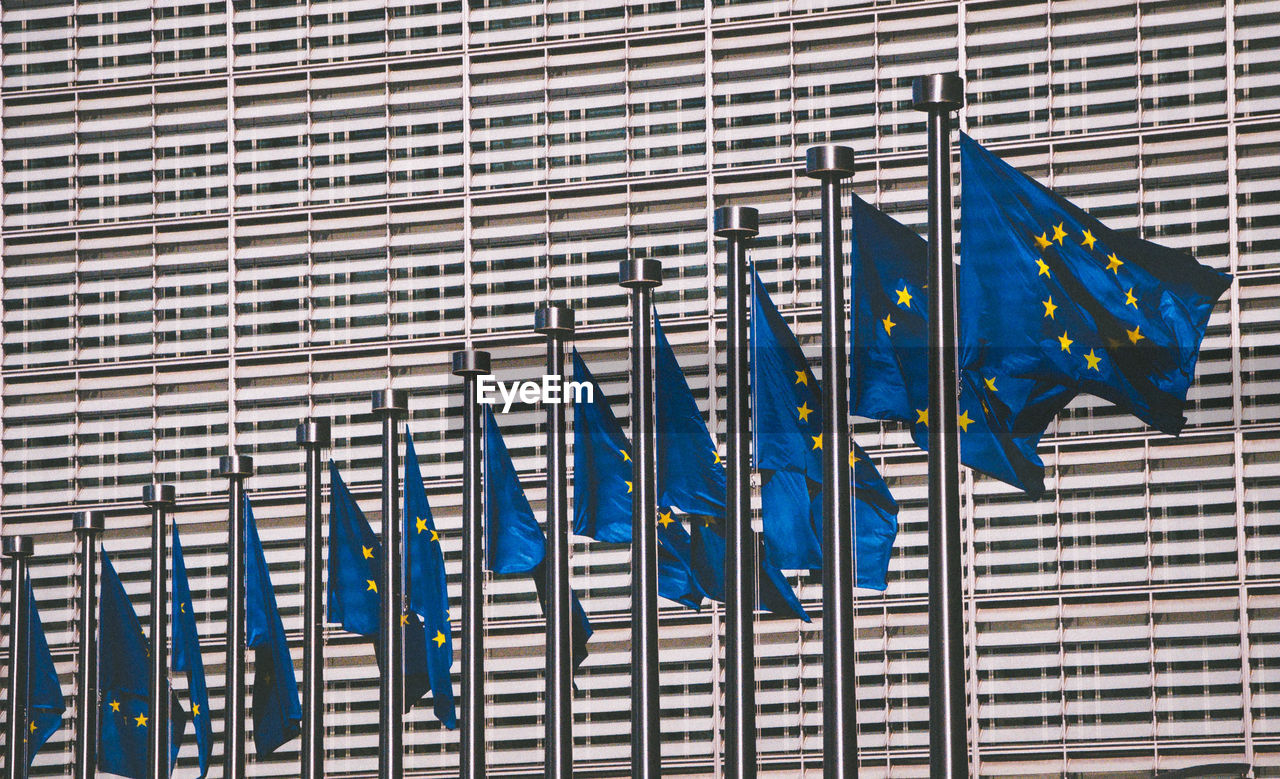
(554,320)
(829,162)
(470,362)
(17,546)
(937,92)
(313,433)
(736,222)
(640,273)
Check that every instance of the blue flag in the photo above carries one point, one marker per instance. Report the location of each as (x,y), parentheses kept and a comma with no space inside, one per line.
(788,442)
(123,682)
(888,347)
(691,476)
(708,548)
(45,705)
(187,658)
(514,542)
(428,587)
(277,710)
(1048,293)
(602,466)
(355,568)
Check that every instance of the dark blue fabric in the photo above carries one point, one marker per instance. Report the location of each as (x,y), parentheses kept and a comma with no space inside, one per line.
(277,707)
(691,477)
(602,466)
(707,551)
(187,658)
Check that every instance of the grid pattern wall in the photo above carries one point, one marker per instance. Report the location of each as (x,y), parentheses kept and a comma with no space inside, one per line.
(219,218)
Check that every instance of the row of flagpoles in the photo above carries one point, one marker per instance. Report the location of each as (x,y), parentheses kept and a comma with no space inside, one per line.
(824,505)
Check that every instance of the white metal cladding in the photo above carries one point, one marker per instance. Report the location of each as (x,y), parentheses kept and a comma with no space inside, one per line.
(219,218)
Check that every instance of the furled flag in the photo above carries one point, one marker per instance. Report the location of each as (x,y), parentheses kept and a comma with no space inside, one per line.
(788,442)
(691,475)
(124,685)
(514,543)
(277,710)
(355,567)
(187,658)
(1048,293)
(428,588)
(45,705)
(889,360)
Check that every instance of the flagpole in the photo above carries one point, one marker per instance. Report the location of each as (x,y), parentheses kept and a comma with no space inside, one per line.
(159,498)
(236,468)
(831,164)
(641,276)
(470,364)
(738,225)
(556,323)
(313,436)
(939,95)
(88,526)
(391,406)
(19,550)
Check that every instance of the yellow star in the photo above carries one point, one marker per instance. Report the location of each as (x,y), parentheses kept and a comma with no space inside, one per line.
(1059,233)
(1088,239)
(1093,361)
(853,459)
(628,488)
(422,524)
(1065,342)
(1042,240)
(439,638)
(1114,263)
(804,411)
(716,461)
(802,378)
(991,383)
(817,441)
(33,727)
(922,416)
(195,709)
(141,719)
(182,607)
(435,536)
(1129,299)
(368,552)
(1134,335)
(1044,269)
(1049,307)
(626,458)
(904,297)
(373,586)
(115,705)
(664,518)
(964,421)
(404,619)
(889,324)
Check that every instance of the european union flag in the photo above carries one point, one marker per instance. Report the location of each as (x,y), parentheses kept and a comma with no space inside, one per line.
(44,694)
(707,550)
(788,437)
(602,466)
(125,708)
(277,710)
(428,587)
(355,567)
(514,543)
(187,658)
(888,345)
(691,475)
(1048,293)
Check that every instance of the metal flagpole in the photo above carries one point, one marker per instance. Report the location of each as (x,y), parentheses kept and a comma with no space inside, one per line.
(469,364)
(739,224)
(160,499)
(939,95)
(390,407)
(641,276)
(830,164)
(556,323)
(313,436)
(18,549)
(88,526)
(236,468)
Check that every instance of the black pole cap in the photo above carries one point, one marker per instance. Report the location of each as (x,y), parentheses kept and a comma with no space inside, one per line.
(313,432)
(470,362)
(737,222)
(390,403)
(640,274)
(159,495)
(939,92)
(17,546)
(88,522)
(553,320)
(829,162)
(235,466)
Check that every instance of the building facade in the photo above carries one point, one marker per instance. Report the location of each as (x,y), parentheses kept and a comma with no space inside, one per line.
(220,218)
